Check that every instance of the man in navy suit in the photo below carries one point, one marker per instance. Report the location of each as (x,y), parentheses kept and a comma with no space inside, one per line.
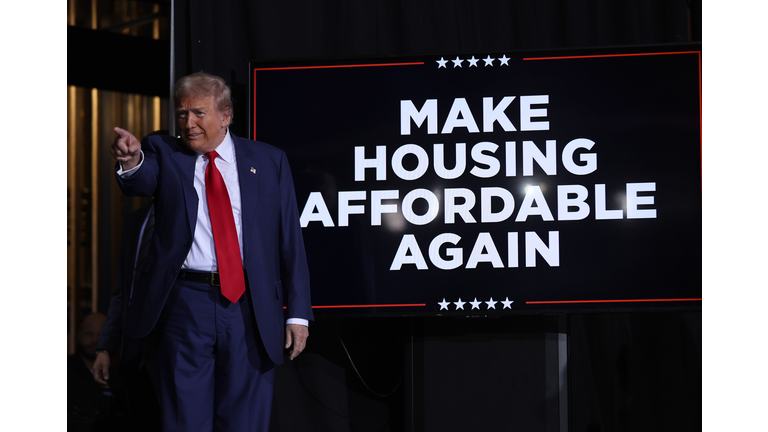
(218,345)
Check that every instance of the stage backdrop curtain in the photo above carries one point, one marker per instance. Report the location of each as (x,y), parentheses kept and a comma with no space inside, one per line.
(221,37)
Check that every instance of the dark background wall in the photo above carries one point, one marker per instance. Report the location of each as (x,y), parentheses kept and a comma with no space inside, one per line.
(635,371)
(221,37)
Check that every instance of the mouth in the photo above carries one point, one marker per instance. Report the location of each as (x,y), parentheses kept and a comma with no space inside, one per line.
(193,135)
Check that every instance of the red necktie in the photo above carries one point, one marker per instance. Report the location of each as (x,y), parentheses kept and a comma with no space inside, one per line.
(224,232)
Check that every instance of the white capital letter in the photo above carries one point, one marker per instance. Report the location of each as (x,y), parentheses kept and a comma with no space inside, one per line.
(484,243)
(346,209)
(379,163)
(481,158)
(526,113)
(486,197)
(633,201)
(421,167)
(433,206)
(551,253)
(512,261)
(456,254)
(589,159)
(377,208)
(493,114)
(547,162)
(461,161)
(600,207)
(533,195)
(451,208)
(511,160)
(315,201)
(564,202)
(408,111)
(408,253)
(460,107)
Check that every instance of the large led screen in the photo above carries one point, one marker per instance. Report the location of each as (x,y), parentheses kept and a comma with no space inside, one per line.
(493,183)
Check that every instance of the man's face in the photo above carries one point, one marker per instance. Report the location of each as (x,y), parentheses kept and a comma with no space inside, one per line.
(88,336)
(202,126)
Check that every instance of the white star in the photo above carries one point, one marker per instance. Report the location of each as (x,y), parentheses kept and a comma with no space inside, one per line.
(442,63)
(489,61)
(507,303)
(459,304)
(457,62)
(491,303)
(504,60)
(475,304)
(443,304)
(473,61)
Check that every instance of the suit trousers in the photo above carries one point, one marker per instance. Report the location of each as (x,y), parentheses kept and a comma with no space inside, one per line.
(214,372)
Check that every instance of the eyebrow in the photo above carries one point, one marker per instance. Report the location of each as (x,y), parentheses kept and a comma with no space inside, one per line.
(190,109)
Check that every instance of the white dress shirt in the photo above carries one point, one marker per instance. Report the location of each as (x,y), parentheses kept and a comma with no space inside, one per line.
(202,254)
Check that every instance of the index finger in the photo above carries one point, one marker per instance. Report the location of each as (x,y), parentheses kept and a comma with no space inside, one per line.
(122,132)
(126,136)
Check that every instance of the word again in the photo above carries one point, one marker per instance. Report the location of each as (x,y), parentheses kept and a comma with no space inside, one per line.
(445,253)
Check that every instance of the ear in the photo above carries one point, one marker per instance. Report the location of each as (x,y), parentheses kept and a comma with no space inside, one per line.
(226,118)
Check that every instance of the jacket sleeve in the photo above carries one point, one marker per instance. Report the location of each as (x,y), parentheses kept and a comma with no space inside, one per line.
(292,254)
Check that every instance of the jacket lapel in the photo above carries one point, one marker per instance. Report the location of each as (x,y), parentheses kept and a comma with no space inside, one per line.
(249,172)
(184,161)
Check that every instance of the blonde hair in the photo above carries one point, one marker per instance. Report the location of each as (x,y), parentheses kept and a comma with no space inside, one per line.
(203,84)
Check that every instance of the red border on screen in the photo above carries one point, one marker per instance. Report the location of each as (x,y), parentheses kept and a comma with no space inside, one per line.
(524,59)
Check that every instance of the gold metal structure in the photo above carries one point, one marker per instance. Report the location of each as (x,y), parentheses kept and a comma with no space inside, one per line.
(95,206)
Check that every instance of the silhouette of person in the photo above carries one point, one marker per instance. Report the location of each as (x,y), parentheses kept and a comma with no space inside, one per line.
(89,406)
(137,363)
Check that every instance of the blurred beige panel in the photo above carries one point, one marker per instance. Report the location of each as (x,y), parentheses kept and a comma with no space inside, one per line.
(71,214)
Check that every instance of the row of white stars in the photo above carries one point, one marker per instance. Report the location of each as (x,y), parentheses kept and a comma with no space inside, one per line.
(473,61)
(476,304)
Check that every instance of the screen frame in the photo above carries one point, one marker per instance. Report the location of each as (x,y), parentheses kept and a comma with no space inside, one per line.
(594,306)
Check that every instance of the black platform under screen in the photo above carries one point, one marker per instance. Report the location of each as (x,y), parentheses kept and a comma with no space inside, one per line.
(581,188)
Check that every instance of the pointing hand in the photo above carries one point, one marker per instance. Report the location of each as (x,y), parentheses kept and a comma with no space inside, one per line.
(126,149)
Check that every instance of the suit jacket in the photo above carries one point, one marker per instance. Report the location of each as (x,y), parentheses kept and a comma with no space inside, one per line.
(112,334)
(273,249)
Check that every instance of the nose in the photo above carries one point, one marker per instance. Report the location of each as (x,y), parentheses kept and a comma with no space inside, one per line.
(189,123)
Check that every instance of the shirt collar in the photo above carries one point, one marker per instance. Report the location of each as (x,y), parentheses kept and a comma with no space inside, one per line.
(226,149)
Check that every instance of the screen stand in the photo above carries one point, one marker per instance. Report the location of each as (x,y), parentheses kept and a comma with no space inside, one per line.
(556,365)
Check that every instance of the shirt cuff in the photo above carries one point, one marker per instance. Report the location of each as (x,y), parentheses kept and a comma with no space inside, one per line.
(129,173)
(300,321)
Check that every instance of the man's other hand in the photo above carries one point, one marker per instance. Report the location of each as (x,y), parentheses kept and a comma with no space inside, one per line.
(296,338)
(126,149)
(101,368)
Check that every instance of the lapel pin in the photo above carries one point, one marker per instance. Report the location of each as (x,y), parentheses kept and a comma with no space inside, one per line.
(253,170)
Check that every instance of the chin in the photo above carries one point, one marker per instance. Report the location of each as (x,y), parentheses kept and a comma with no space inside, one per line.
(193,145)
